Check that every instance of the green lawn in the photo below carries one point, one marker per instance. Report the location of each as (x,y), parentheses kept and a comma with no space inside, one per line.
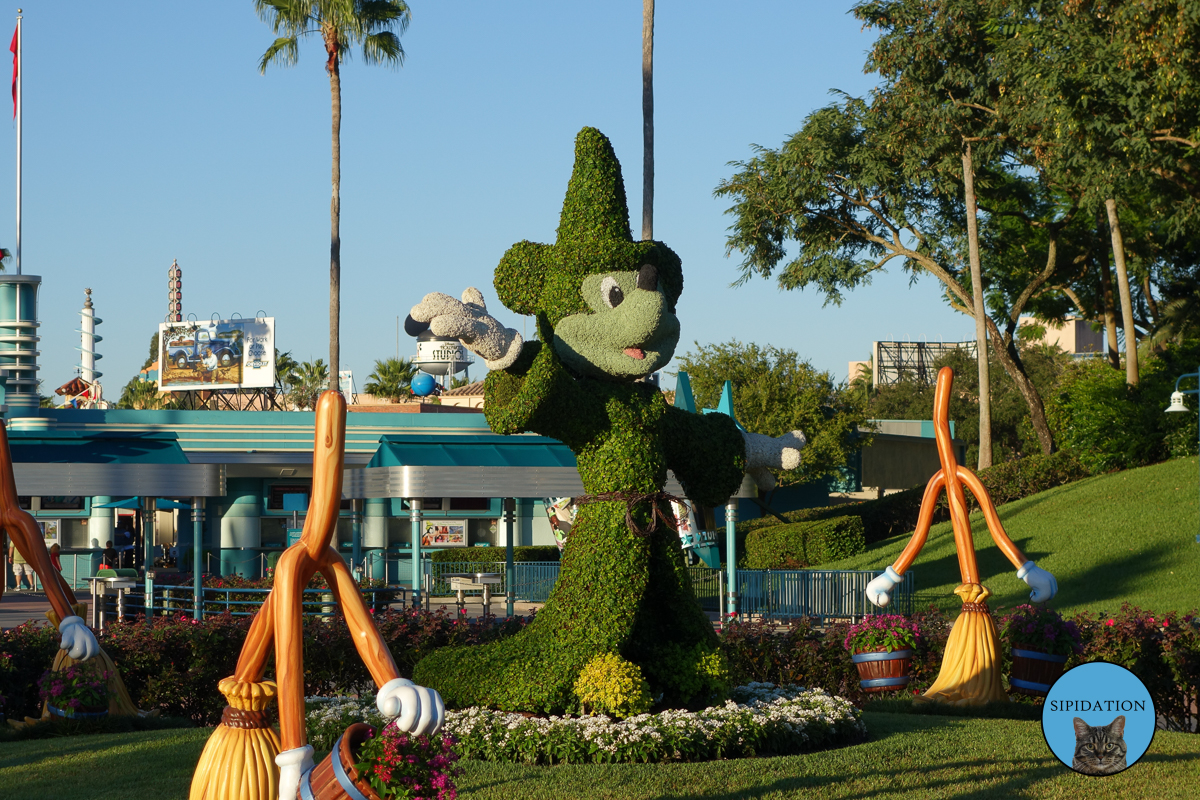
(1129,536)
(908,756)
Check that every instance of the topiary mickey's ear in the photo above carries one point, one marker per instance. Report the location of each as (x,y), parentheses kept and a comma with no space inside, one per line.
(520,276)
(595,207)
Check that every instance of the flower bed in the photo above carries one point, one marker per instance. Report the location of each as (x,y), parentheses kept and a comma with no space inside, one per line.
(761,719)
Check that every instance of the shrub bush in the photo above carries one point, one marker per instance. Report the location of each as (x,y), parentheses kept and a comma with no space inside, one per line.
(1115,426)
(25,653)
(609,684)
(174,663)
(798,545)
(490,555)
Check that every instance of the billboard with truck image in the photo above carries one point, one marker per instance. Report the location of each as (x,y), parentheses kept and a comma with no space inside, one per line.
(216,354)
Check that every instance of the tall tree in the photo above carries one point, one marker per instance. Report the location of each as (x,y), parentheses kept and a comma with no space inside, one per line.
(647,120)
(374,25)
(934,65)
(839,190)
(391,378)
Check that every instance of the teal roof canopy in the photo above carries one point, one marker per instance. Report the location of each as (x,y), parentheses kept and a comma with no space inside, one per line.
(471,451)
(74,447)
(160,503)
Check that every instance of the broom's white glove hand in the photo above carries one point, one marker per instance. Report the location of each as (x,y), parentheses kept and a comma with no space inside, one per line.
(764,453)
(292,766)
(470,323)
(418,710)
(77,639)
(1042,583)
(878,590)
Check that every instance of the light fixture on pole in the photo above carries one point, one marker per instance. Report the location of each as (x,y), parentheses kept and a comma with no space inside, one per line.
(1178,405)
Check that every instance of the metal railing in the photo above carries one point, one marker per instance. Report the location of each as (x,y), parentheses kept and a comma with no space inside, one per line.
(240,602)
(823,594)
(533,580)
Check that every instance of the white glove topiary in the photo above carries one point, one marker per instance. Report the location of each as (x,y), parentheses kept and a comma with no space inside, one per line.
(417,709)
(292,766)
(764,453)
(878,590)
(77,639)
(470,323)
(1042,583)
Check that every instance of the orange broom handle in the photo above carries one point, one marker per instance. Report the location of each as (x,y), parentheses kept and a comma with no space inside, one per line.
(964,543)
(1010,550)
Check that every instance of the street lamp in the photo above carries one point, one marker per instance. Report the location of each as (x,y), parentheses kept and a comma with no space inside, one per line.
(1177,402)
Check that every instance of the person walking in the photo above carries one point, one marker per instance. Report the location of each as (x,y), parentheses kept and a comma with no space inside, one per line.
(22,571)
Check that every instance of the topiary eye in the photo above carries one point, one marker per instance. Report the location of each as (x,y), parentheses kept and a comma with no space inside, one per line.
(610,292)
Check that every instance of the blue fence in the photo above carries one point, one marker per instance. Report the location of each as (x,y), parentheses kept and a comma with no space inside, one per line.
(771,594)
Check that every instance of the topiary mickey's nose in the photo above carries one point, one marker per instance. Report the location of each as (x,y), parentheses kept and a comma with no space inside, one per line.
(648,278)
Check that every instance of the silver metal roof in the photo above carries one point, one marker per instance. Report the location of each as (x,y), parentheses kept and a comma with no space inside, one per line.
(121,480)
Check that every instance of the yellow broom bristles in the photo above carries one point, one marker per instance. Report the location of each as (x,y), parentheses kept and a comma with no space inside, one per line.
(970,674)
(238,763)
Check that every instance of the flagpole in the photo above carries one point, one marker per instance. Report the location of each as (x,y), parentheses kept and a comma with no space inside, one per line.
(20,77)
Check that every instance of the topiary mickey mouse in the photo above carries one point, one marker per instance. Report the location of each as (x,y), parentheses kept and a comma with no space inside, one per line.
(605,308)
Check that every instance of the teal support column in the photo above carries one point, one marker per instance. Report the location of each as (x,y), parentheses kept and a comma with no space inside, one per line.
(730,558)
(375,536)
(510,570)
(356,519)
(414,515)
(100,529)
(18,349)
(149,507)
(241,527)
(197,554)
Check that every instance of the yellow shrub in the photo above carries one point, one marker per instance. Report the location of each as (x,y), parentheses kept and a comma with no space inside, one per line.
(611,685)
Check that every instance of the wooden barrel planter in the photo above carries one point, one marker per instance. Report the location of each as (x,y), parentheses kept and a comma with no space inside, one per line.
(335,778)
(882,671)
(93,713)
(1033,673)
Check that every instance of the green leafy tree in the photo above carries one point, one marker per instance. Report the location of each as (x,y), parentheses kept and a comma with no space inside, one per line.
(144,396)
(137,379)
(374,25)
(840,190)
(775,391)
(391,378)
(285,371)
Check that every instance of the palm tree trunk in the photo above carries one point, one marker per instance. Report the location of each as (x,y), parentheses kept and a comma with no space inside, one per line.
(985,385)
(1118,245)
(335,214)
(647,120)
(1106,299)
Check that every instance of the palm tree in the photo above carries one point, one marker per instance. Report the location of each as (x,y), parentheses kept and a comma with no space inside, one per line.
(391,378)
(647,120)
(285,370)
(376,26)
(308,382)
(144,396)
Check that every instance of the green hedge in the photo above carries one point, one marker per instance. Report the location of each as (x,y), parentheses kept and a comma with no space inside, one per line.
(896,514)
(799,545)
(490,555)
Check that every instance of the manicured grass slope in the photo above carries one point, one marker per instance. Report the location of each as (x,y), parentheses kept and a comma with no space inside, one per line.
(1129,536)
(908,756)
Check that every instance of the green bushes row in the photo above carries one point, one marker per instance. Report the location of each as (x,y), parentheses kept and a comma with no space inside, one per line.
(1163,650)
(491,555)
(174,663)
(799,545)
(896,514)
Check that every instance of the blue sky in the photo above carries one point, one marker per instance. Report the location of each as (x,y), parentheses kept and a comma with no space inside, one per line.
(150,136)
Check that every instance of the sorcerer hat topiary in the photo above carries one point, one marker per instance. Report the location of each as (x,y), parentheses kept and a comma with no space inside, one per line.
(593,238)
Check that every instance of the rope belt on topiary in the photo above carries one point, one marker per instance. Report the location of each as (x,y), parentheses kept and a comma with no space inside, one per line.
(631,499)
(980,607)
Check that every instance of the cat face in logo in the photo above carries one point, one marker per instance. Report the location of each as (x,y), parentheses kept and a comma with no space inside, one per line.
(1100,749)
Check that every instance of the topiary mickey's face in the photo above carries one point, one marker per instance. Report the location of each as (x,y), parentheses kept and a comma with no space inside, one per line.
(610,300)
(628,333)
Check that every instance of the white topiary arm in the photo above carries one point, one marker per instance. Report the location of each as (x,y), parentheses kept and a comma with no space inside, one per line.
(469,322)
(764,453)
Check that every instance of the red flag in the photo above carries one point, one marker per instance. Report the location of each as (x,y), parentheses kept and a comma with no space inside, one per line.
(13,48)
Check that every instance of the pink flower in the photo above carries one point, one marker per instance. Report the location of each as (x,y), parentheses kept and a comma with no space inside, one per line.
(1110,623)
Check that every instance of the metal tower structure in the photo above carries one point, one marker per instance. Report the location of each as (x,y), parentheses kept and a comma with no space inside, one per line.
(174,293)
(87,343)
